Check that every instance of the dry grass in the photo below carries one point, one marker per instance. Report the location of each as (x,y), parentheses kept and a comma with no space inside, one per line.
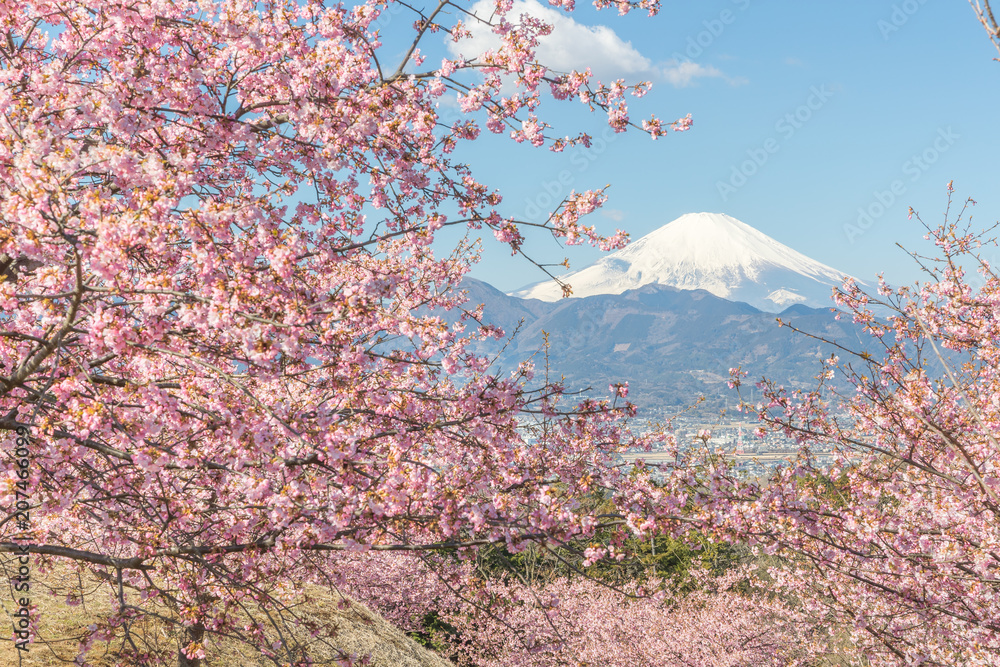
(350,627)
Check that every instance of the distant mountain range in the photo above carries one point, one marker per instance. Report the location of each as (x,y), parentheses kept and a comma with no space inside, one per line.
(674,311)
(709,251)
(671,345)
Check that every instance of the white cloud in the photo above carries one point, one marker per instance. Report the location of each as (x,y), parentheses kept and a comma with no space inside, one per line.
(571,45)
(681,74)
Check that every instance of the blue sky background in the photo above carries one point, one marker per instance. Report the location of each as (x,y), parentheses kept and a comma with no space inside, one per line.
(898,80)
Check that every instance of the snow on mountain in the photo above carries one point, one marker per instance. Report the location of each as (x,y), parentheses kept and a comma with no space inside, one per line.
(709,251)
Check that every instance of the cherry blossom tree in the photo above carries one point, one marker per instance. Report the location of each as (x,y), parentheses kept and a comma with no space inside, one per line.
(897,542)
(726,619)
(581,622)
(224,354)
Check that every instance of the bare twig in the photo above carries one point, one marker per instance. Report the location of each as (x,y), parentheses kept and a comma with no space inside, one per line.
(985,15)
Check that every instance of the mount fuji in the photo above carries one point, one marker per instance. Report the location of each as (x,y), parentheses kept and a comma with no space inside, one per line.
(709,251)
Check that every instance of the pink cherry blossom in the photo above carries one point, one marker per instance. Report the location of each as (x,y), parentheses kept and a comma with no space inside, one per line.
(227,325)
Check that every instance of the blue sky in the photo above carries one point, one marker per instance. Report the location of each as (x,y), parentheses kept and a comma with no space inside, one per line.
(847,101)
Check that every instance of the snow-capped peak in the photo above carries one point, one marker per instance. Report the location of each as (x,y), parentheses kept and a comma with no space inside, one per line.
(710,251)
